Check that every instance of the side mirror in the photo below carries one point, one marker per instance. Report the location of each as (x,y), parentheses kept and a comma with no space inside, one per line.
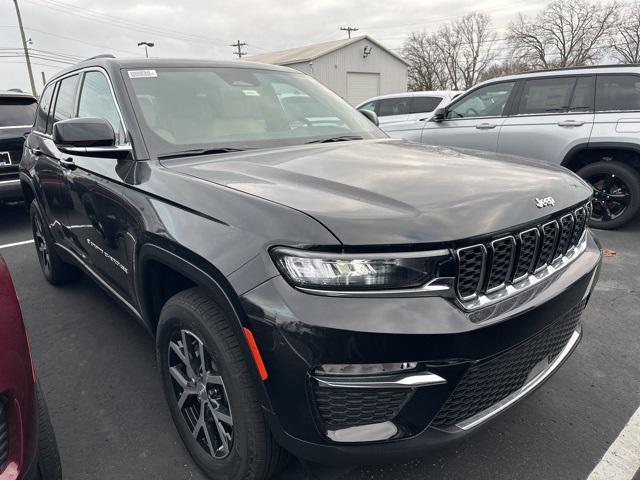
(87,136)
(373,118)
(439,114)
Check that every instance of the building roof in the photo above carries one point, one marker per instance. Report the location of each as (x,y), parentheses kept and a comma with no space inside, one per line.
(309,53)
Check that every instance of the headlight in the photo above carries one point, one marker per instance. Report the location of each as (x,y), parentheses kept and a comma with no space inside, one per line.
(358,272)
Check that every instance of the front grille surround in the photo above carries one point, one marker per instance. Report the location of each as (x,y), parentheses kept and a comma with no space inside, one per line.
(482,269)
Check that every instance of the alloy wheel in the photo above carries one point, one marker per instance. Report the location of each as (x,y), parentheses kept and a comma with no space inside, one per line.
(200,393)
(611,197)
(41,244)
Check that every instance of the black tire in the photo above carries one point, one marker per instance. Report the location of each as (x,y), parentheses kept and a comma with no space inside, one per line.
(252,453)
(54,269)
(49,465)
(617,193)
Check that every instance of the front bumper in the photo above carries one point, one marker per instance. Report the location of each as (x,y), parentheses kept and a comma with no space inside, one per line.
(486,365)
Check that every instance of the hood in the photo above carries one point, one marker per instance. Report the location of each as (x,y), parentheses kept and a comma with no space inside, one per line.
(394,192)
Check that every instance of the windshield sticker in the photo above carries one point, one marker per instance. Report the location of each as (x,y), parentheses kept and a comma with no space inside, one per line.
(251,93)
(142,73)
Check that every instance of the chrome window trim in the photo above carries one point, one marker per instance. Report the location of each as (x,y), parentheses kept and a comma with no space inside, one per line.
(535,253)
(529,281)
(483,270)
(511,262)
(9,182)
(15,126)
(506,402)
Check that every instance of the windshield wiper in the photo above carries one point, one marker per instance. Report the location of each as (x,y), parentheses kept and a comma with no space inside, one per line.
(340,138)
(201,151)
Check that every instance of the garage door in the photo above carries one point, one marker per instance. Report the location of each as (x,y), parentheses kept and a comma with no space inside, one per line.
(362,86)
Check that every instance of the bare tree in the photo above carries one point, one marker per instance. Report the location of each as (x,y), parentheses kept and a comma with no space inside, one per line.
(454,57)
(626,42)
(565,33)
(503,68)
(426,69)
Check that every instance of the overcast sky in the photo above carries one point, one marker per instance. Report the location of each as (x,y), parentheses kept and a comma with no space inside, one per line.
(73,29)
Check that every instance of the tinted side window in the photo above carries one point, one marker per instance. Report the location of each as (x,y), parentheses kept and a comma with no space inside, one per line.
(487,101)
(393,106)
(424,104)
(66,99)
(618,92)
(583,95)
(17,112)
(43,109)
(96,100)
(546,95)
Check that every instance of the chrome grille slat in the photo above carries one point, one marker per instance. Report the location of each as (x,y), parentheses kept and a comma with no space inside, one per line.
(502,253)
(491,266)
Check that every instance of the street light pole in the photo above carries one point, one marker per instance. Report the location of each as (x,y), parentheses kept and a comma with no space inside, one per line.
(26,50)
(146,46)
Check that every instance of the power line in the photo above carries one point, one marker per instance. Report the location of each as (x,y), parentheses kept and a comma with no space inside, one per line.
(239,46)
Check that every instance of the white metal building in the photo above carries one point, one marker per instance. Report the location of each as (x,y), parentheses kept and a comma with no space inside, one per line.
(356,68)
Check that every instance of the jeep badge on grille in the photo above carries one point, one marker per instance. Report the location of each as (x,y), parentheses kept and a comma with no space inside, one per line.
(545,202)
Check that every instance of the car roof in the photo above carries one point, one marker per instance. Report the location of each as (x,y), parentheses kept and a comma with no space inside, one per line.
(16,94)
(554,72)
(424,93)
(109,62)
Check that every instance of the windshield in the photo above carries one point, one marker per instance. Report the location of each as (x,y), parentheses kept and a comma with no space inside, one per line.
(17,112)
(215,108)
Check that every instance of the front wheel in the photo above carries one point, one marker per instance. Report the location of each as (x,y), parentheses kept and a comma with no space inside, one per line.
(211,393)
(616,193)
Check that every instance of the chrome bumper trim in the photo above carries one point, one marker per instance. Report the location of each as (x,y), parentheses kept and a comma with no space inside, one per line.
(495,409)
(412,380)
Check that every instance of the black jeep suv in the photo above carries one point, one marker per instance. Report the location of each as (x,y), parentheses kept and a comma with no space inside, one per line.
(17,111)
(313,286)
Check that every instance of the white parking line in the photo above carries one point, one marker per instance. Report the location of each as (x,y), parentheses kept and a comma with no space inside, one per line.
(622,460)
(17,244)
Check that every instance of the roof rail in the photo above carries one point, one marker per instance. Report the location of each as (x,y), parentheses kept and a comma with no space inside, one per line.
(17,90)
(103,55)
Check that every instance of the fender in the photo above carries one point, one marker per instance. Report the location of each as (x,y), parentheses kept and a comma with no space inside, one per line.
(213,283)
(596,146)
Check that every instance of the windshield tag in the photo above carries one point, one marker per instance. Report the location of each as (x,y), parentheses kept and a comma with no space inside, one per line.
(251,93)
(142,73)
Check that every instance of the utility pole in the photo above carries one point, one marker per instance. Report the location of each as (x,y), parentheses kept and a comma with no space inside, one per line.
(239,46)
(147,45)
(26,50)
(349,30)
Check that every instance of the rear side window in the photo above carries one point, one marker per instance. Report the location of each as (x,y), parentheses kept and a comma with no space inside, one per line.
(393,106)
(424,104)
(43,109)
(96,100)
(617,93)
(66,99)
(17,112)
(583,95)
(546,95)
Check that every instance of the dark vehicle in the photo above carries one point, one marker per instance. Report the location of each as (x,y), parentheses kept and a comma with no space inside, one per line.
(17,111)
(313,286)
(28,449)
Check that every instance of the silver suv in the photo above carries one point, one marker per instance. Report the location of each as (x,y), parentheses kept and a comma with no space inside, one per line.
(586,119)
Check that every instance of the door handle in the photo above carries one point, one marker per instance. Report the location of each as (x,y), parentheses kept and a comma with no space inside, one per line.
(485,126)
(67,163)
(570,123)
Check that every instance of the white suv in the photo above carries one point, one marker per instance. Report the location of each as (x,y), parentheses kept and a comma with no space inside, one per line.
(400,113)
(586,119)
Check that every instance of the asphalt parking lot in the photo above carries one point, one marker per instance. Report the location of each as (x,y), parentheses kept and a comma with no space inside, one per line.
(97,368)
